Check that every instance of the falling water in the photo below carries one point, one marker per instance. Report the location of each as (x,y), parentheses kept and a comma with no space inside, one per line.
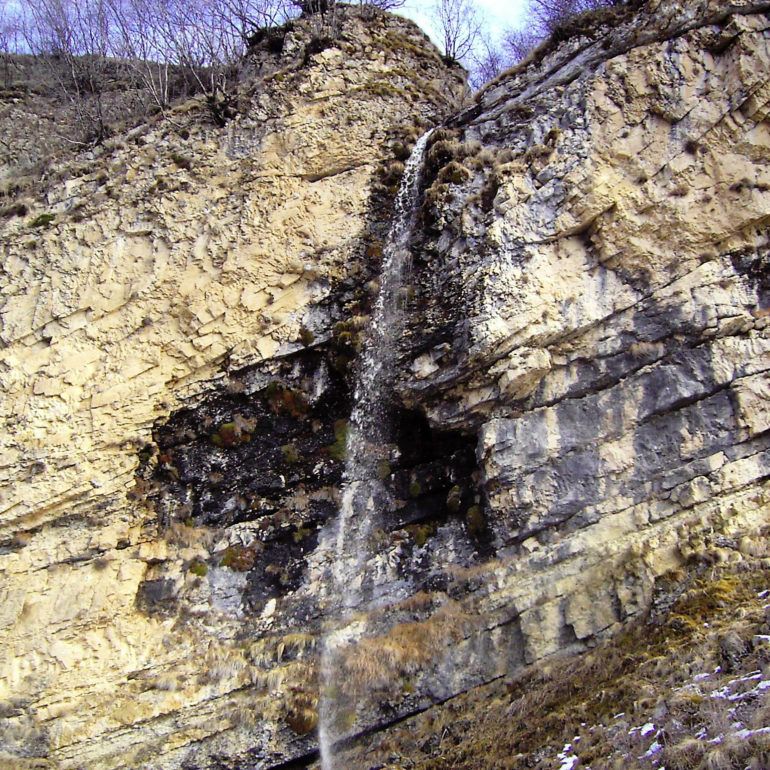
(364,494)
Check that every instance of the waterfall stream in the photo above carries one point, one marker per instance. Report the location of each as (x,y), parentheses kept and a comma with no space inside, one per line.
(364,494)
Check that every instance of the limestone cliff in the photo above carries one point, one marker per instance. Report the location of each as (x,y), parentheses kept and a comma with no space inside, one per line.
(600,217)
(583,387)
(151,268)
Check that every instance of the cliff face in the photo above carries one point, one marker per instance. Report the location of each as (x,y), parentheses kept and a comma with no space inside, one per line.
(174,255)
(583,388)
(600,217)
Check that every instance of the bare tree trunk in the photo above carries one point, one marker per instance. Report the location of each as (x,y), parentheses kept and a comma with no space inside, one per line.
(71,39)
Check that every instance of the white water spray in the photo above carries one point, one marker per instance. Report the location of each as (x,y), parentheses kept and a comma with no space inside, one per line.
(363,493)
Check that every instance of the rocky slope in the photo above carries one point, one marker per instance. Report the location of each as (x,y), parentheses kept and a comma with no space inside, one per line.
(685,688)
(582,391)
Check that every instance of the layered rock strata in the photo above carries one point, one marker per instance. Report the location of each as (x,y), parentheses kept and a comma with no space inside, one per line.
(582,392)
(152,268)
(600,216)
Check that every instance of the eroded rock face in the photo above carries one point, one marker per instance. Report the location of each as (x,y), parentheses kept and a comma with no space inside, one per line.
(181,265)
(600,217)
(582,392)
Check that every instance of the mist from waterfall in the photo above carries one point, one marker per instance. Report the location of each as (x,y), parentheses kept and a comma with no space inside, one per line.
(364,494)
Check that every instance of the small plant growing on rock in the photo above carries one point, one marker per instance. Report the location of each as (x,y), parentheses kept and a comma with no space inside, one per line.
(338,449)
(14,210)
(239,558)
(454,498)
(284,400)
(198,568)
(474,518)
(306,337)
(42,220)
(230,434)
(454,173)
(393,173)
(182,161)
(401,151)
(300,534)
(420,533)
(489,191)
(302,719)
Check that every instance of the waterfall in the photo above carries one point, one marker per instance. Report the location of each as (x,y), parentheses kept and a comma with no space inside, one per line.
(364,494)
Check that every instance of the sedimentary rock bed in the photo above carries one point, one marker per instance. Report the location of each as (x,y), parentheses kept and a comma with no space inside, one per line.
(582,396)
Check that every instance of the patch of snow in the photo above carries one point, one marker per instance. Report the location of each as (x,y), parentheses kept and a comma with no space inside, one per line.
(763,594)
(567,762)
(617,716)
(701,677)
(743,734)
(652,751)
(724,691)
(647,728)
(753,675)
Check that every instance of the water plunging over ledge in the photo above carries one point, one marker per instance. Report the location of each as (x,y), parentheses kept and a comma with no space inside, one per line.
(364,494)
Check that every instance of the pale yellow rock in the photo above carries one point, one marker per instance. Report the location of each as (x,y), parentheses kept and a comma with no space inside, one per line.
(112,320)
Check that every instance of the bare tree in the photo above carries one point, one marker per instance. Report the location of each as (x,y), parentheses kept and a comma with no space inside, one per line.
(383,5)
(9,26)
(72,38)
(519,43)
(137,41)
(309,7)
(488,61)
(249,16)
(196,38)
(199,41)
(545,17)
(459,27)
(10,31)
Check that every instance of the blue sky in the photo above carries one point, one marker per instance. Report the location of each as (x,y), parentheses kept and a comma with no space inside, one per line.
(497,15)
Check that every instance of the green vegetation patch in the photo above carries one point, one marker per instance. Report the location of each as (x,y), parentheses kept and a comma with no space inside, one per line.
(42,220)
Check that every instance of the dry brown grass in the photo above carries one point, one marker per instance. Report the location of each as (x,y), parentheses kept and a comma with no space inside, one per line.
(646,674)
(379,662)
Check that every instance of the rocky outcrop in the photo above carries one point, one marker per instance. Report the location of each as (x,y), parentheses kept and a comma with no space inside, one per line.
(600,216)
(582,391)
(154,268)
